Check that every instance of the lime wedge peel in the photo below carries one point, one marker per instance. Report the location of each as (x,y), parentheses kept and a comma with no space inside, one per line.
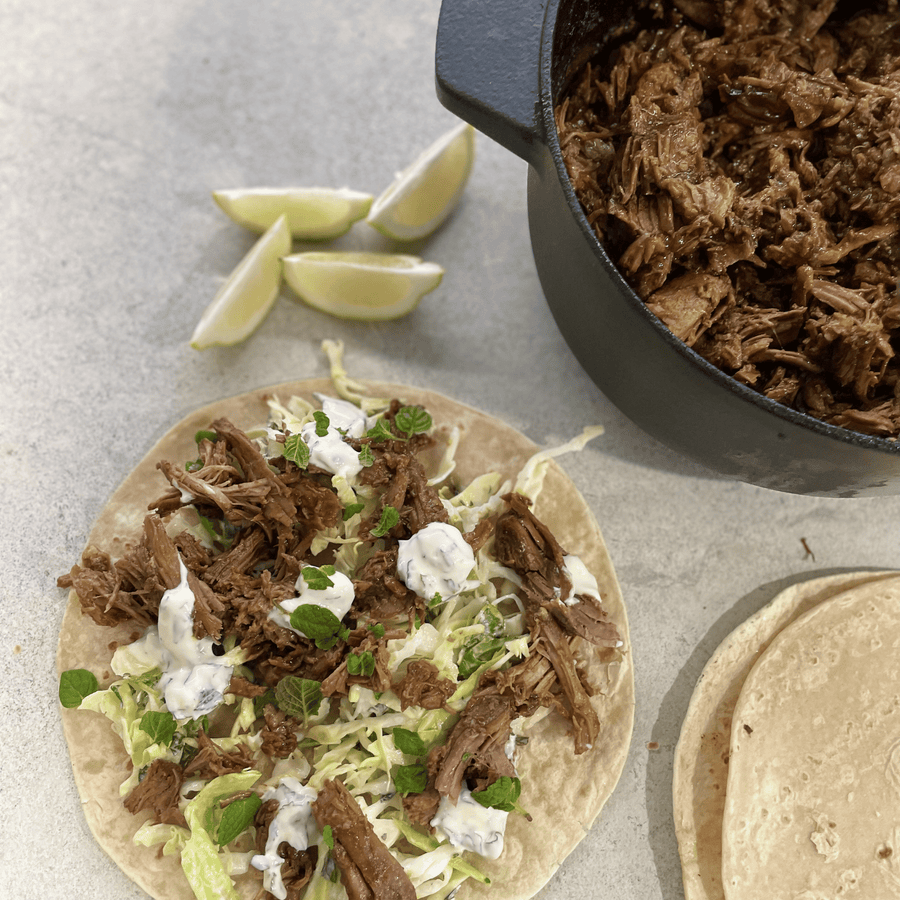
(359,285)
(363,286)
(313,213)
(248,293)
(424,194)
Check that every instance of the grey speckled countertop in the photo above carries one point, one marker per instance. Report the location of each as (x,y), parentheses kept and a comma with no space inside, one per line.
(118,119)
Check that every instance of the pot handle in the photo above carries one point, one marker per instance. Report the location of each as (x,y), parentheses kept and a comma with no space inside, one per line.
(487,68)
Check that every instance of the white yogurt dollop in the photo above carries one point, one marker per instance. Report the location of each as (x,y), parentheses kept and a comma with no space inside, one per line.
(194,679)
(344,416)
(338,598)
(293,823)
(330,451)
(436,560)
(470,826)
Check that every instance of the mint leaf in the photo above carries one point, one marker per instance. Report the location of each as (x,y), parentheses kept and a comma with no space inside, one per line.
(204,435)
(236,817)
(412,420)
(318,624)
(366,456)
(410,779)
(260,703)
(194,726)
(219,532)
(361,663)
(328,837)
(322,423)
(296,451)
(75,685)
(298,697)
(477,652)
(160,726)
(407,741)
(380,431)
(317,579)
(494,625)
(377,629)
(502,794)
(351,509)
(389,518)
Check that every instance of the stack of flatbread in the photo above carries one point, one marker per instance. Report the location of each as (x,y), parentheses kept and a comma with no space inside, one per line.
(787,771)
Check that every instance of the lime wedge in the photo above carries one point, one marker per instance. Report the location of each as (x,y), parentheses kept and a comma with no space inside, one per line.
(247,294)
(422,196)
(313,214)
(357,285)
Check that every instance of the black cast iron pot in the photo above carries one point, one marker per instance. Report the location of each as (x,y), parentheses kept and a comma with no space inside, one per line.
(501,65)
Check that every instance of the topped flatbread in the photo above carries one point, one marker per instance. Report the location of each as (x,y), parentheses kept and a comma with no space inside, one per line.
(478,683)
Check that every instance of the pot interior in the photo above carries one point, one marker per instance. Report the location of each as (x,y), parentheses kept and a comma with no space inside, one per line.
(581,31)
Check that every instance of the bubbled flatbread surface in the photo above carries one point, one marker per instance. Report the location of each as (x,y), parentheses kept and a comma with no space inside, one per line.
(563,792)
(812,805)
(700,772)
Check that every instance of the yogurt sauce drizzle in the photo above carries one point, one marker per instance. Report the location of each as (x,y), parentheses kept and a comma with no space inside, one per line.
(470,826)
(194,679)
(583,582)
(331,452)
(338,598)
(293,823)
(436,560)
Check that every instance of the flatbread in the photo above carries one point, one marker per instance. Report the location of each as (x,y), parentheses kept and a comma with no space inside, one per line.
(563,792)
(700,771)
(811,805)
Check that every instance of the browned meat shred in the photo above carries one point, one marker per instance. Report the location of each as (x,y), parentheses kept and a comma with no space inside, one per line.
(158,791)
(340,679)
(368,869)
(128,590)
(527,546)
(398,471)
(739,161)
(211,761)
(422,685)
(279,734)
(476,744)
(380,593)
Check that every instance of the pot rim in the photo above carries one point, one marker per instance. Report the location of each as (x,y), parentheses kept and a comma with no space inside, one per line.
(888,445)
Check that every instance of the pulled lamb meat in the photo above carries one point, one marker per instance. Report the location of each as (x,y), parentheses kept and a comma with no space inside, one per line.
(128,590)
(279,734)
(527,546)
(158,791)
(476,742)
(475,751)
(739,161)
(211,761)
(368,869)
(422,685)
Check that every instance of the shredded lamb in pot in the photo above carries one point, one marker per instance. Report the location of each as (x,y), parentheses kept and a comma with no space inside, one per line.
(741,162)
